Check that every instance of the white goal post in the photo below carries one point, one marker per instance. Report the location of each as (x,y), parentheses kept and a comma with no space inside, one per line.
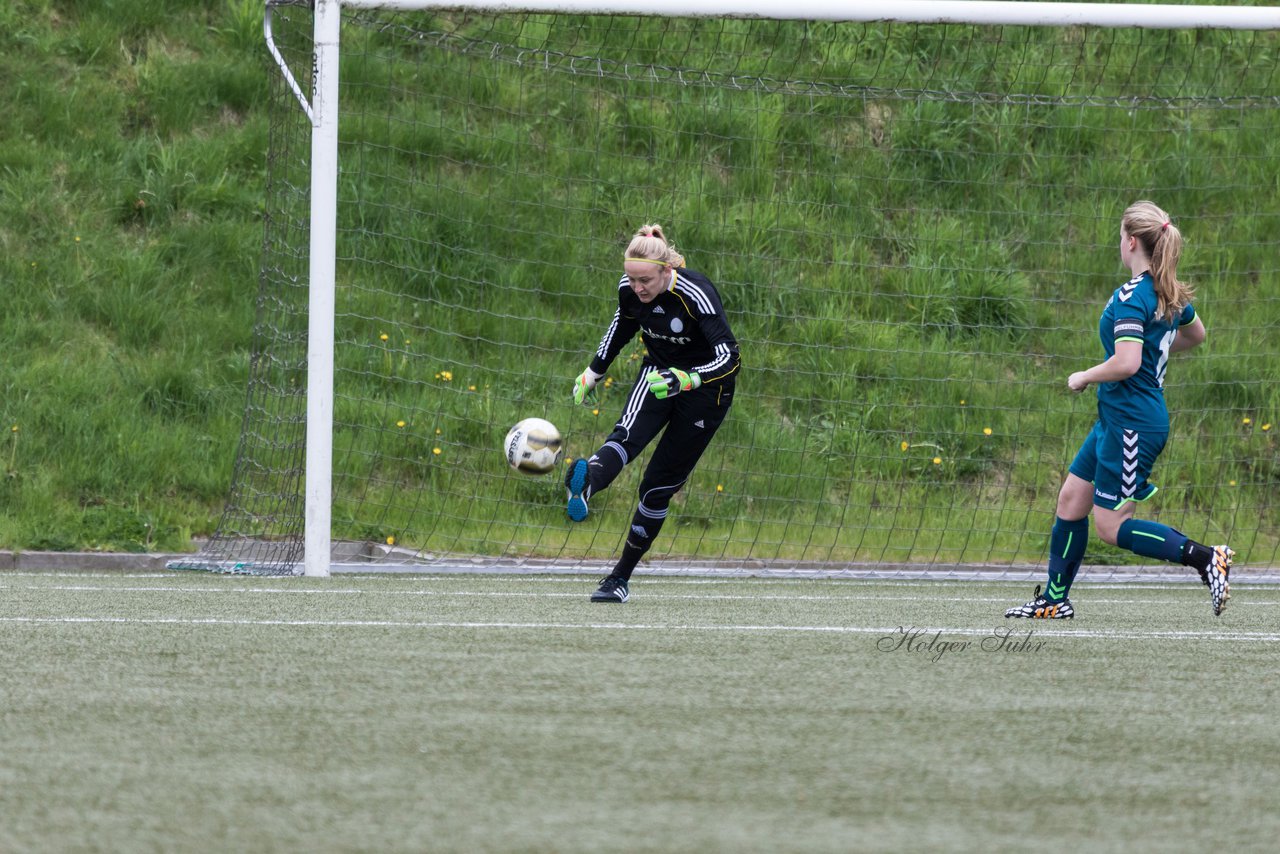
(322,107)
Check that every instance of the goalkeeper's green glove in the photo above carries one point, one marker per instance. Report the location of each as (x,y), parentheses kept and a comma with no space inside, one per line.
(583,385)
(668,381)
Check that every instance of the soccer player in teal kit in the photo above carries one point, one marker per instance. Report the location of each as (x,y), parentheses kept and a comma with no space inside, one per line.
(1147,319)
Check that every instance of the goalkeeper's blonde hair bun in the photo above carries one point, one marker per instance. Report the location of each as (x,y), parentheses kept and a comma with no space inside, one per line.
(650,243)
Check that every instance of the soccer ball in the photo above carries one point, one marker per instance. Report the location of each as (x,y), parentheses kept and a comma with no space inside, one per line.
(534,446)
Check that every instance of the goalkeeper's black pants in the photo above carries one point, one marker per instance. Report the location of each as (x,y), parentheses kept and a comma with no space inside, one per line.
(687,422)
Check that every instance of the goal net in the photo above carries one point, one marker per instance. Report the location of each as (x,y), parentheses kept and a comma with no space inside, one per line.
(914,228)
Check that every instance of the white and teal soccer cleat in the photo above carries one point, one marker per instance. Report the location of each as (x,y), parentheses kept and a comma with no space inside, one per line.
(576,481)
(1040,608)
(1217,577)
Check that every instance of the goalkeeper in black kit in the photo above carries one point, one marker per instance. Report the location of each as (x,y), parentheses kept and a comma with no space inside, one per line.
(684,390)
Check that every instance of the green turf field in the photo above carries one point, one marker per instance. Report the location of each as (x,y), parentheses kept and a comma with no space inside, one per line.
(172,712)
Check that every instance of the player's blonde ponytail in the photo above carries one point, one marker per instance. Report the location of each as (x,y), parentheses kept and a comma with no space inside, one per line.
(1163,243)
(650,244)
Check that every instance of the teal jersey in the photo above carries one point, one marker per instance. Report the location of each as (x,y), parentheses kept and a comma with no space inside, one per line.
(1138,402)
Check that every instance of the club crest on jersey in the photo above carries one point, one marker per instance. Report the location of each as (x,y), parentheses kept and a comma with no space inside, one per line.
(677,325)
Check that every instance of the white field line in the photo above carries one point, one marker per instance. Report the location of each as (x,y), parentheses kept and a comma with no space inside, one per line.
(894,632)
(527,594)
(664,580)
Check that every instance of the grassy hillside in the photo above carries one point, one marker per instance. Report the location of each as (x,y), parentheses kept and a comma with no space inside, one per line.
(912,265)
(131,158)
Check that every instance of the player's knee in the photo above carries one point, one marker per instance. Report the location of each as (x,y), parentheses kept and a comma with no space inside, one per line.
(654,502)
(656,496)
(1075,499)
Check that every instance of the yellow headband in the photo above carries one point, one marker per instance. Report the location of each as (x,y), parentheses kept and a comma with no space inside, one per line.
(648,261)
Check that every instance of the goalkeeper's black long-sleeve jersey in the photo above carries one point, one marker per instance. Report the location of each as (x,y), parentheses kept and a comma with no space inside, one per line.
(683,327)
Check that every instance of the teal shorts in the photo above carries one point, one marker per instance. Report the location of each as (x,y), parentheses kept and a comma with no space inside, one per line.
(1118,462)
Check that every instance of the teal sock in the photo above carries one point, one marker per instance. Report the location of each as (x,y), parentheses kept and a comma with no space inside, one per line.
(1151,539)
(1066,550)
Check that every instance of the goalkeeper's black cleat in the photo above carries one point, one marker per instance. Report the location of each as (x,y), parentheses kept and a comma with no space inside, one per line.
(576,481)
(1040,608)
(1217,577)
(613,588)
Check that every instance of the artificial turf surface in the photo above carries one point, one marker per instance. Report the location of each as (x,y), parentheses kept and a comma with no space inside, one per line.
(179,711)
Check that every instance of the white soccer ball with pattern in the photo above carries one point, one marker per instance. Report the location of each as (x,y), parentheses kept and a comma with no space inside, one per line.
(534,446)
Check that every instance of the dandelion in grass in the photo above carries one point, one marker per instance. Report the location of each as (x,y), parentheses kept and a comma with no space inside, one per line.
(986,431)
(937,461)
(1246,421)
(962,401)
(1231,483)
(436,451)
(447,376)
(595,412)
(438,431)
(400,424)
(383,337)
(471,388)
(1266,427)
(719,487)
(905,447)
(391,541)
